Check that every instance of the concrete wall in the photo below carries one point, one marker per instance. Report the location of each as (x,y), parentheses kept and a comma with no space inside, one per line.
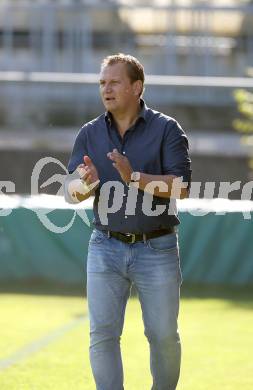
(17,166)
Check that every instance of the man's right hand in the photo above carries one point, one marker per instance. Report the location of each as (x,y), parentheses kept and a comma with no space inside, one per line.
(87,171)
(89,176)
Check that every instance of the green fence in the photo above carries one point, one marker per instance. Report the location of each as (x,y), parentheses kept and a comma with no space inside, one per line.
(214,248)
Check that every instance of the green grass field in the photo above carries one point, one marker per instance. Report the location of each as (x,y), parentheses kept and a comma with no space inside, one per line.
(44,342)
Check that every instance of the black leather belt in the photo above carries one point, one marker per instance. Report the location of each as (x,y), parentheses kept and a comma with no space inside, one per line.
(131,238)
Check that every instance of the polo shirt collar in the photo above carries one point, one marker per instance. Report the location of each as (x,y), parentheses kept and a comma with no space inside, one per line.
(143,113)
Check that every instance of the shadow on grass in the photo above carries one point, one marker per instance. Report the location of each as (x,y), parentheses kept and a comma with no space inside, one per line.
(42,287)
(235,295)
(238,295)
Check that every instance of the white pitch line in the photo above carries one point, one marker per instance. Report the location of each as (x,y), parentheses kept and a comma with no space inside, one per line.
(37,345)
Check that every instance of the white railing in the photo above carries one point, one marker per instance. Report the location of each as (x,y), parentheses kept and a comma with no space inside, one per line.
(155,80)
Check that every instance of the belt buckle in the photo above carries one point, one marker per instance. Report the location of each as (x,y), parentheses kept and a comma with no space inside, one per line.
(132,235)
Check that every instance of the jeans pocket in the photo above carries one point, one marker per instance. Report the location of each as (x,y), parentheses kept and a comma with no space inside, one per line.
(97,237)
(166,243)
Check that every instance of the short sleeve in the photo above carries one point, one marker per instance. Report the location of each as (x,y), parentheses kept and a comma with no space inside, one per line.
(79,150)
(175,153)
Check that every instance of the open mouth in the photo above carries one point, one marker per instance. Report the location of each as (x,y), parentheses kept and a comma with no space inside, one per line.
(109,99)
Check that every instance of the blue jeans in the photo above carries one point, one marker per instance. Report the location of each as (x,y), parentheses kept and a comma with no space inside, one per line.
(153,267)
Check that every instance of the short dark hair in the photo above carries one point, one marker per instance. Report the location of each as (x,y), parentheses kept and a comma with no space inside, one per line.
(135,69)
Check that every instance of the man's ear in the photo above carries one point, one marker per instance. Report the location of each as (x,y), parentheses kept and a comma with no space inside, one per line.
(137,87)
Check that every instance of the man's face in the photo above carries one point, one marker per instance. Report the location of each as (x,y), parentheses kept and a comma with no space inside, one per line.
(116,89)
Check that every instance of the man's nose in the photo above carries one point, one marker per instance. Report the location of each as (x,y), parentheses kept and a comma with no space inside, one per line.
(107,88)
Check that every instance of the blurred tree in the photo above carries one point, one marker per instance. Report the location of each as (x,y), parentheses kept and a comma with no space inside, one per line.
(244,124)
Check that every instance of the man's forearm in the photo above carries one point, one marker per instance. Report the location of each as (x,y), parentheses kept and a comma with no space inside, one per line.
(163,186)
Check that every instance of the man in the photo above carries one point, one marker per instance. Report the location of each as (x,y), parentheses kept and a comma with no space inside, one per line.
(129,158)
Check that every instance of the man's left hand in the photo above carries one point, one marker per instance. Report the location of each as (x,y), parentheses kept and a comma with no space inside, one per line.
(122,164)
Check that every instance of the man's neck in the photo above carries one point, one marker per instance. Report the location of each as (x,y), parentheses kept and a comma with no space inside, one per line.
(125,120)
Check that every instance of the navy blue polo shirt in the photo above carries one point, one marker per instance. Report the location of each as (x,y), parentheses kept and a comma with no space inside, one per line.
(155,144)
